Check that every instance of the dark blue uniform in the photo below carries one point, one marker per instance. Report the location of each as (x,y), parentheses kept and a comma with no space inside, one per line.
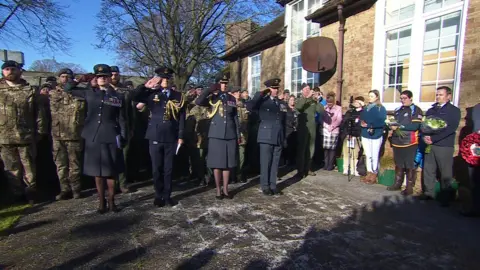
(224,129)
(164,129)
(271,136)
(103,131)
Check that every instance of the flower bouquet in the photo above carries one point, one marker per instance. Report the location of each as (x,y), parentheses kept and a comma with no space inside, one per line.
(432,125)
(392,122)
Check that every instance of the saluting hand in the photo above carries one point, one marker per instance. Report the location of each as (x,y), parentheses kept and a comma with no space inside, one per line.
(153,82)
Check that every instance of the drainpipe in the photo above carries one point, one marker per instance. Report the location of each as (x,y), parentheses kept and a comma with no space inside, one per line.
(341,34)
(239,73)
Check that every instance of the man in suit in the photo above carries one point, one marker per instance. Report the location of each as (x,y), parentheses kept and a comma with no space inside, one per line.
(271,134)
(165,130)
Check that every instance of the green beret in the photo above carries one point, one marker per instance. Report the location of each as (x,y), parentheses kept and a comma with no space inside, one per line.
(65,71)
(114,69)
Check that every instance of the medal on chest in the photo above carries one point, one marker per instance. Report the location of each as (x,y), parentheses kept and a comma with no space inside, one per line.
(156,99)
(113,101)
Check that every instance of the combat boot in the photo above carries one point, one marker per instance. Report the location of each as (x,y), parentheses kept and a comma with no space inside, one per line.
(64,195)
(399,176)
(30,194)
(411,179)
(77,194)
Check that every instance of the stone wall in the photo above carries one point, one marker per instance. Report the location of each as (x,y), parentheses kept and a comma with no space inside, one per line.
(357,57)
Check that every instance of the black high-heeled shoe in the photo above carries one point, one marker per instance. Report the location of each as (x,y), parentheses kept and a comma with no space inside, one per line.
(102,209)
(227,196)
(112,207)
(219,197)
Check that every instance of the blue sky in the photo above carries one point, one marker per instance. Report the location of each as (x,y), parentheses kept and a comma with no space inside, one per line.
(80,28)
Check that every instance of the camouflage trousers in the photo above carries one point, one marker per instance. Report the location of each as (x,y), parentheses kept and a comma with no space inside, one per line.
(67,156)
(19,165)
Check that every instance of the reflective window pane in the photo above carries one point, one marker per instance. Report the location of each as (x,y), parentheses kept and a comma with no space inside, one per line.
(439,54)
(431,5)
(396,11)
(397,59)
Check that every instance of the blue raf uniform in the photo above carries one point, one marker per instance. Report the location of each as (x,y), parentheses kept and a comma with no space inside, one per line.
(224,128)
(104,128)
(271,134)
(165,128)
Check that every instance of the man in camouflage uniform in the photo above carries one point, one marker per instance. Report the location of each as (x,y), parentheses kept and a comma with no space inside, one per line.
(22,122)
(68,116)
(198,124)
(124,178)
(243,120)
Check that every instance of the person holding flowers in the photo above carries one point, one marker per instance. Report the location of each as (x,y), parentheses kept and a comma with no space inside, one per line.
(372,121)
(438,130)
(405,126)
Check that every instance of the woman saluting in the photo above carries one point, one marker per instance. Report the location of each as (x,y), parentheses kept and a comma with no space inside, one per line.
(104,132)
(223,133)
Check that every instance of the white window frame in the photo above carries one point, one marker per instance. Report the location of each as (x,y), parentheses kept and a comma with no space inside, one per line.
(250,66)
(416,53)
(288,54)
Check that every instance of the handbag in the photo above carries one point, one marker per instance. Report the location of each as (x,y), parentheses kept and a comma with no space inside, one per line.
(361,164)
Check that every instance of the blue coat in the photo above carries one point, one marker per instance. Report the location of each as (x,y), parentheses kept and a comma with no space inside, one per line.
(271,129)
(163,126)
(225,125)
(375,119)
(105,114)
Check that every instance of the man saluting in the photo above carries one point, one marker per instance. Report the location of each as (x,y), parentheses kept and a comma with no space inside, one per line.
(271,133)
(165,130)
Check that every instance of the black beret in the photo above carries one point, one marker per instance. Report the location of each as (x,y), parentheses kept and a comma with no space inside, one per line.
(102,70)
(164,72)
(273,83)
(11,63)
(199,86)
(65,71)
(114,69)
(235,89)
(51,79)
(128,83)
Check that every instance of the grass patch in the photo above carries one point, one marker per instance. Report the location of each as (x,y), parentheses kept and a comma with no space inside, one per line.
(10,214)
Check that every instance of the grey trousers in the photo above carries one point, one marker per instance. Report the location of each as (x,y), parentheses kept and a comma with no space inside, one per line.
(439,159)
(269,159)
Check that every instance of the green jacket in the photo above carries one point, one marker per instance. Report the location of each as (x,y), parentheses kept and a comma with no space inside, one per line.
(307,107)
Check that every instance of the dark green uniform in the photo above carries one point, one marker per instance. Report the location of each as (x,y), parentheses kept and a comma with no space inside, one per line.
(243,119)
(198,122)
(307,107)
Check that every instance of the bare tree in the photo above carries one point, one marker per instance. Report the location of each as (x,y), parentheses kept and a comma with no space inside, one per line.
(51,65)
(37,23)
(185,35)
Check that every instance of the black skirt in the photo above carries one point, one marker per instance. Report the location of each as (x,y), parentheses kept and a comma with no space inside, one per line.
(404,157)
(222,154)
(103,160)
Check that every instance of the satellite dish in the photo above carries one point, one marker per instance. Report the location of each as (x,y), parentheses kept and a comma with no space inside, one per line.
(319,55)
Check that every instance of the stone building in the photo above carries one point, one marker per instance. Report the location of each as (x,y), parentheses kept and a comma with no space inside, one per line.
(389,45)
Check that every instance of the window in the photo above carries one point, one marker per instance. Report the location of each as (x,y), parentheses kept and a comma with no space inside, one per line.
(254,67)
(421,45)
(299,30)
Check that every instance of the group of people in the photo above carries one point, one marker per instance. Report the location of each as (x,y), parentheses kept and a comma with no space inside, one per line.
(94,116)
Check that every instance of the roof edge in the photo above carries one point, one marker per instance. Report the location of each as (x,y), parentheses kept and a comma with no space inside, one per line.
(328,14)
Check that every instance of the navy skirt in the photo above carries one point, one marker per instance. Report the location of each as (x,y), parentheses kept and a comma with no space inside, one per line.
(222,154)
(103,159)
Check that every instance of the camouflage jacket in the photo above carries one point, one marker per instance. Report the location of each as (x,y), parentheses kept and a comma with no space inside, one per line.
(68,115)
(243,120)
(198,124)
(22,115)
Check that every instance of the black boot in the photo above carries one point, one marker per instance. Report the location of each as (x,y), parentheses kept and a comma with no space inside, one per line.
(411,179)
(30,194)
(399,175)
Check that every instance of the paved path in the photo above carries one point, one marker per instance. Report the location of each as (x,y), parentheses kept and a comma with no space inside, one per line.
(322,222)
